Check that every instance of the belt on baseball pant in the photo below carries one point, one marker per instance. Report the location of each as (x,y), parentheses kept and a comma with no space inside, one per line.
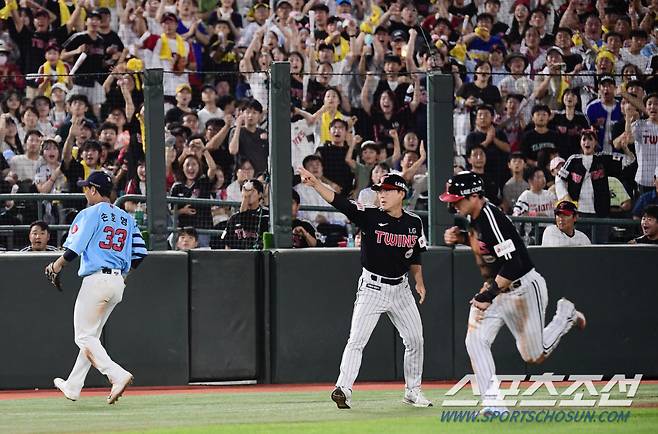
(529,276)
(386,280)
(106,270)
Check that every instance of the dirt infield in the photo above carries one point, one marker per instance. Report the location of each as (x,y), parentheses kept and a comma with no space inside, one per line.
(252,388)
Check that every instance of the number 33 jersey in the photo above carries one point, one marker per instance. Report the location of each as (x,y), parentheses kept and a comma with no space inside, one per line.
(105,236)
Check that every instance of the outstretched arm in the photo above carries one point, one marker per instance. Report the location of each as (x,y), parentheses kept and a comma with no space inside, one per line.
(309,179)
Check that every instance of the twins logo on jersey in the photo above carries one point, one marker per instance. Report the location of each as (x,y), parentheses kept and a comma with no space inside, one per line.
(649,139)
(396,240)
(242,234)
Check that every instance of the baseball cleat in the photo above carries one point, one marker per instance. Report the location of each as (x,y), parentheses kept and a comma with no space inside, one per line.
(566,309)
(342,399)
(118,388)
(416,398)
(61,385)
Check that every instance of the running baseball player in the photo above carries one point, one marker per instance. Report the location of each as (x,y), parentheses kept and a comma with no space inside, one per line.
(109,244)
(392,240)
(513,294)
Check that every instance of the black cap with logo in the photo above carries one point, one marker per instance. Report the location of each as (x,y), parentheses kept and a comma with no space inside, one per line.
(462,185)
(392,181)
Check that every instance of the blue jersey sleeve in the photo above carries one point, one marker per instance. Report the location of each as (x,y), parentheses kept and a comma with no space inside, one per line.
(82,230)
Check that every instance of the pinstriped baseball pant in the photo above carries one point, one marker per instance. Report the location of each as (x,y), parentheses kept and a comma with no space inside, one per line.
(523,311)
(398,302)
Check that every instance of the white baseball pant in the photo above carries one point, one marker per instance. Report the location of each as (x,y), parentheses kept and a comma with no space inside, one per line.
(98,296)
(522,310)
(374,298)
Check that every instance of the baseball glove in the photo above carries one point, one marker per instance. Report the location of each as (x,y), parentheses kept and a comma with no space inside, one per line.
(53,277)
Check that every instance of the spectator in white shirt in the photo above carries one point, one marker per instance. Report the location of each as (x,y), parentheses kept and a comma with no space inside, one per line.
(564,233)
(536,201)
(210,109)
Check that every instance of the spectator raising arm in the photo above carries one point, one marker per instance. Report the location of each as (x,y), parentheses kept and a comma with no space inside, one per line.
(352,140)
(397,153)
(212,166)
(234,143)
(408,174)
(366,104)
(247,64)
(74,131)
(216,141)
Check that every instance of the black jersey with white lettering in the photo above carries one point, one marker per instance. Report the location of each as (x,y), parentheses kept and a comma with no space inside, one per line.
(501,247)
(389,245)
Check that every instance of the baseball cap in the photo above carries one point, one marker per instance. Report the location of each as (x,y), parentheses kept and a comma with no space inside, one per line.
(556,49)
(566,207)
(281,2)
(182,87)
(555,162)
(87,123)
(253,184)
(398,35)
(95,13)
(100,180)
(168,16)
(60,86)
(461,185)
(188,230)
(4,47)
(103,11)
(391,181)
(343,2)
(54,139)
(515,55)
(607,78)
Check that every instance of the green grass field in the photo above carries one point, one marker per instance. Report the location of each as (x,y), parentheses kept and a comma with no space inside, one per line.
(374,411)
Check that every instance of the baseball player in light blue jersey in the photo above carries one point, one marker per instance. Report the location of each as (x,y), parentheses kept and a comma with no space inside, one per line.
(109,244)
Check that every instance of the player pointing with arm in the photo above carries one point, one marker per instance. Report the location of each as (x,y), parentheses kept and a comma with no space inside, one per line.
(514,293)
(109,244)
(391,243)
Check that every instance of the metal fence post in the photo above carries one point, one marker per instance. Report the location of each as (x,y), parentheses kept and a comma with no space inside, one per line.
(440,146)
(280,155)
(156,202)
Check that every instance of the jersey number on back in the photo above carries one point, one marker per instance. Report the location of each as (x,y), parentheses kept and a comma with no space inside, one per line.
(109,243)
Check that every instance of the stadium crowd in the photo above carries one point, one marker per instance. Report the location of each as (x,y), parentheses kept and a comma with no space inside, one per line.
(554,100)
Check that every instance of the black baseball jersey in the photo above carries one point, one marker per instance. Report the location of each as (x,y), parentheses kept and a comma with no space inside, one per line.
(244,230)
(389,245)
(501,248)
